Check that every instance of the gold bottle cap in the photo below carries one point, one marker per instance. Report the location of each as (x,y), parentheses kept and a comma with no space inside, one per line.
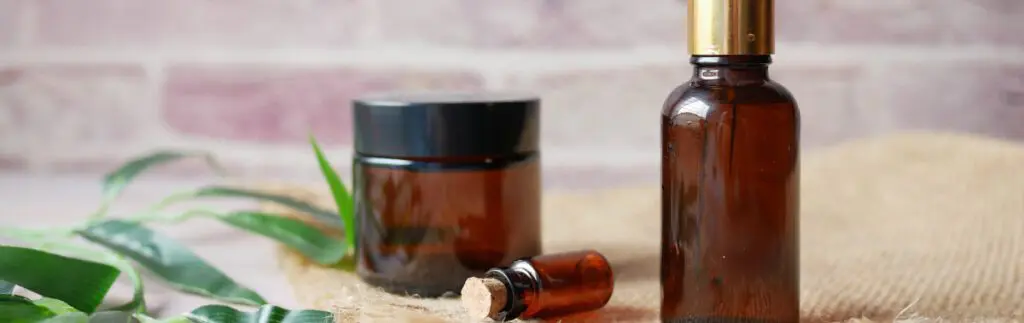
(731,27)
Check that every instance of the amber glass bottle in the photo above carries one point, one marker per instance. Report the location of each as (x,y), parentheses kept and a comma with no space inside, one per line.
(446,186)
(550,286)
(730,175)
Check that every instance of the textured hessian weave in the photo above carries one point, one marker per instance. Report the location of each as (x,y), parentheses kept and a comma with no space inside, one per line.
(923,225)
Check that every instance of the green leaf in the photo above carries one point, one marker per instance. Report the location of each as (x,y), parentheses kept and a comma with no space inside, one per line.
(115,182)
(169,260)
(113,317)
(293,233)
(138,302)
(6,288)
(176,319)
(18,309)
(265,314)
(346,264)
(342,198)
(77,317)
(80,283)
(55,305)
(62,246)
(14,308)
(326,217)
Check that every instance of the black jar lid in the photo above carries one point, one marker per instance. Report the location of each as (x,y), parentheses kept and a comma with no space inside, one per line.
(446,124)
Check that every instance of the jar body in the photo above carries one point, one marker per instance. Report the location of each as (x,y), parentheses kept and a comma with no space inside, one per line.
(427,224)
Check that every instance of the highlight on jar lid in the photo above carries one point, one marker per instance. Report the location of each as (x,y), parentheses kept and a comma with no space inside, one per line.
(544,286)
(442,124)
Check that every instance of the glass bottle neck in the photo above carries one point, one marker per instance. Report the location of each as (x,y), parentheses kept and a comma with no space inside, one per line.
(731,70)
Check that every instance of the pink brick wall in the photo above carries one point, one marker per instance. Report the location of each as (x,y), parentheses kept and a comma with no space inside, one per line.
(84,84)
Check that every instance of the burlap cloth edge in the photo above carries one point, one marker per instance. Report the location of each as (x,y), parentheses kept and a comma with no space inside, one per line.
(860,263)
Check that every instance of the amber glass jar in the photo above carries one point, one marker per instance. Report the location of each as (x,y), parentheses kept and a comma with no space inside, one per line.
(446,186)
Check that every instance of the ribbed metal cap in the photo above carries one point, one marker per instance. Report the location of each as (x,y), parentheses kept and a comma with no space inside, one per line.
(446,124)
(731,27)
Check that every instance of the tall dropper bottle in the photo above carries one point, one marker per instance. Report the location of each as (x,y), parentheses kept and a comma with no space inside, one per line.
(730,175)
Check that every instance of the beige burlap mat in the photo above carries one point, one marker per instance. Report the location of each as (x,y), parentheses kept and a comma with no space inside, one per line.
(916,227)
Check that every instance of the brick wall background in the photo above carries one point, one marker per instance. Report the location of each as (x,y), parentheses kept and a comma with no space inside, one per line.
(85,84)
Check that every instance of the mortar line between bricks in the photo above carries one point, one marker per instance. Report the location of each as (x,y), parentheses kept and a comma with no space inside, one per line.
(293,154)
(493,79)
(507,60)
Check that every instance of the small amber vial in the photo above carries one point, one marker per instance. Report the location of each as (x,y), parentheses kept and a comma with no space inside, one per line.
(446,186)
(541,287)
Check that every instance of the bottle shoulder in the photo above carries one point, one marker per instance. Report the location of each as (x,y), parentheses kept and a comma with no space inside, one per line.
(708,95)
(781,92)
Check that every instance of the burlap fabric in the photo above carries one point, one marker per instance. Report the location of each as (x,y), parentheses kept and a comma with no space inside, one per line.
(918,227)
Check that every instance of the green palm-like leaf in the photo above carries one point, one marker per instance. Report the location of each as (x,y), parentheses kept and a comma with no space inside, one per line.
(77,317)
(69,318)
(265,314)
(169,260)
(6,288)
(293,233)
(15,309)
(115,182)
(55,305)
(138,302)
(48,274)
(115,317)
(342,198)
(327,217)
(18,309)
(62,247)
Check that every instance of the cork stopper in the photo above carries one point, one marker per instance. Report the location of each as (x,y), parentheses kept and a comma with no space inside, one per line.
(484,298)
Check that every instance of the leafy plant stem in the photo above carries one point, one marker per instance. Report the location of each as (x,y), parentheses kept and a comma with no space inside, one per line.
(172,199)
(168,259)
(100,213)
(138,302)
(125,246)
(164,217)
